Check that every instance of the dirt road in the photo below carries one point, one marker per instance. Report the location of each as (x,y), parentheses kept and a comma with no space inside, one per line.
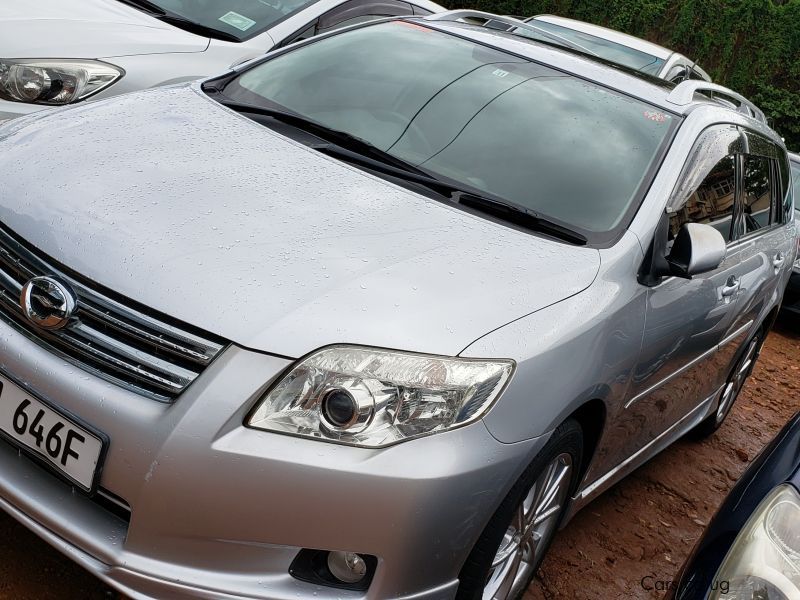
(645,526)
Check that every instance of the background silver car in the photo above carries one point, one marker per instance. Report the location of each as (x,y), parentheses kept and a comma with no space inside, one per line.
(57,52)
(622,48)
(372,317)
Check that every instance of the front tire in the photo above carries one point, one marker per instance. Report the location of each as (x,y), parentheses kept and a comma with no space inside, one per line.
(511,548)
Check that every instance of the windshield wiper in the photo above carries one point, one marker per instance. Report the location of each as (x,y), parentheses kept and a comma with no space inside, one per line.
(352,149)
(507,211)
(154,10)
(524,217)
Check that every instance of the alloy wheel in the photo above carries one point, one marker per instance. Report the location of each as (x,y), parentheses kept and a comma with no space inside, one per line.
(738,379)
(532,525)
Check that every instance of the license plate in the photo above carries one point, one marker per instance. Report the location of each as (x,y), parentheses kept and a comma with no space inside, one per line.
(70,448)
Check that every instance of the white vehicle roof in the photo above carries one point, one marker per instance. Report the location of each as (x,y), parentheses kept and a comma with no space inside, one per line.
(609,34)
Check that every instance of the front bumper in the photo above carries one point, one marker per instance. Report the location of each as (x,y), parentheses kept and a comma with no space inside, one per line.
(220,511)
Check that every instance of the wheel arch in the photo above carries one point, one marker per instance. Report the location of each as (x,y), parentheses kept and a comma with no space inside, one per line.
(591,416)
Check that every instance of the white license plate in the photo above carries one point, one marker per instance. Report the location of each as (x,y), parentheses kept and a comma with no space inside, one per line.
(65,445)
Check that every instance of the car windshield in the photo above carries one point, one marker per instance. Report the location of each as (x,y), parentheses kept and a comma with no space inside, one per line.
(796,185)
(560,146)
(241,19)
(611,51)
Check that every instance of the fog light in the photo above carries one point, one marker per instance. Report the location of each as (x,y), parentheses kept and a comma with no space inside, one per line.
(347,567)
(336,569)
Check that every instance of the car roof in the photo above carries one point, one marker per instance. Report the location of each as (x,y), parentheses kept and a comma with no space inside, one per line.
(612,35)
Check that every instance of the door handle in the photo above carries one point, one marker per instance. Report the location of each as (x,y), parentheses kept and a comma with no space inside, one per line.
(777,262)
(731,287)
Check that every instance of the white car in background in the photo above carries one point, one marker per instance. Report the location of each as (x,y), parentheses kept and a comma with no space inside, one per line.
(56,52)
(622,48)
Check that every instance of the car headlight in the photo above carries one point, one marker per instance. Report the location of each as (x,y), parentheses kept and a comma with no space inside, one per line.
(54,82)
(764,561)
(371,397)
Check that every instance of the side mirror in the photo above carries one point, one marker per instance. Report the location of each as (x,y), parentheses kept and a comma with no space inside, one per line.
(697,249)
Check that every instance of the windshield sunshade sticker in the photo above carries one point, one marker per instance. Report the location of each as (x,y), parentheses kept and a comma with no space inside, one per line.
(234,19)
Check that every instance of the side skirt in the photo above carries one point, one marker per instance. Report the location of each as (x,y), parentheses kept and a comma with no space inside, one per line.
(633,462)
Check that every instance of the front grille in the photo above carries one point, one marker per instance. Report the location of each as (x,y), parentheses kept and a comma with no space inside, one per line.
(109,337)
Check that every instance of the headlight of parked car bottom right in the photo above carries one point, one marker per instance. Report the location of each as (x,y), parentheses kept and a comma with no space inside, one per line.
(764,561)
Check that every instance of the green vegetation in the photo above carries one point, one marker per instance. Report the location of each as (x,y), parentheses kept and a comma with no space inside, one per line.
(751,46)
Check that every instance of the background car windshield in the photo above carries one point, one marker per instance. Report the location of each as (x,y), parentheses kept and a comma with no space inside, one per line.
(623,55)
(796,185)
(564,147)
(241,18)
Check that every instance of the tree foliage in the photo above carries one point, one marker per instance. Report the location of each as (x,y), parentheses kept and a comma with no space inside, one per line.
(751,46)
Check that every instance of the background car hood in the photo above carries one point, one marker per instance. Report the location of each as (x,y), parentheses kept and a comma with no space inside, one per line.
(86,29)
(173,200)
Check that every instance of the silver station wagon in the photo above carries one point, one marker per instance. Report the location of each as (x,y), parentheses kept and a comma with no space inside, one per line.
(372,316)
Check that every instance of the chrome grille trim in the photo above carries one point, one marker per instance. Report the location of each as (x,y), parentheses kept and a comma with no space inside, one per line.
(107,337)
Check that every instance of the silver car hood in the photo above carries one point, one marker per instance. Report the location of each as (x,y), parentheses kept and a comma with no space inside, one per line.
(174,201)
(86,29)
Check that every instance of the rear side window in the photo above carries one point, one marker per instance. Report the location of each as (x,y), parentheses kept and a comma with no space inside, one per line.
(758,193)
(764,192)
(785,193)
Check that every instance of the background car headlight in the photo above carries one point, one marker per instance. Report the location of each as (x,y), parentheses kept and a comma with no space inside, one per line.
(54,82)
(764,561)
(372,397)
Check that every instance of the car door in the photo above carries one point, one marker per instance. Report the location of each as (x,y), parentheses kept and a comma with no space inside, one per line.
(763,240)
(686,319)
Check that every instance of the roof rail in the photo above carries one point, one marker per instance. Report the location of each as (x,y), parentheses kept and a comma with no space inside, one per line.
(684,92)
(506,24)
